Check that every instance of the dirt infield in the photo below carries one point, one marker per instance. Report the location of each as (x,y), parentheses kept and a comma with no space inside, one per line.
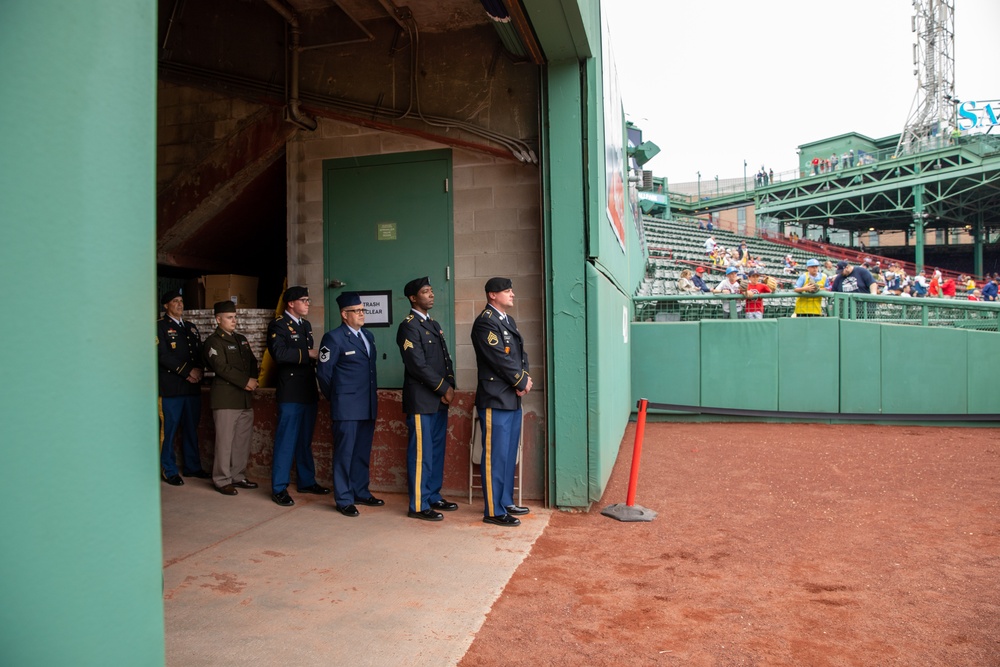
(775,544)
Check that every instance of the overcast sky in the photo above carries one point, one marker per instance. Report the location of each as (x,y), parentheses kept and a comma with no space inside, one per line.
(715,82)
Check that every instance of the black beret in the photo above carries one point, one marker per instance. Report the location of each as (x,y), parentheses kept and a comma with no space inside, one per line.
(348,299)
(296,292)
(225,307)
(498,284)
(170,296)
(414,286)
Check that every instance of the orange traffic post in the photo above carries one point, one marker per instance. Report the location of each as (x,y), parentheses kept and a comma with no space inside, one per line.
(629,511)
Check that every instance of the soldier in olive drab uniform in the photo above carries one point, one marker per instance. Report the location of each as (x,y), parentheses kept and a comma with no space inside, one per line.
(290,342)
(179,350)
(503,380)
(428,390)
(229,356)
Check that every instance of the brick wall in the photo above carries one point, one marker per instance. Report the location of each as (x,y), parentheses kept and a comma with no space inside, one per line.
(251,322)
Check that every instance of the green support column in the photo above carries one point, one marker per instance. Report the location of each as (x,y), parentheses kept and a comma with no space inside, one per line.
(565,212)
(918,226)
(80,553)
(977,245)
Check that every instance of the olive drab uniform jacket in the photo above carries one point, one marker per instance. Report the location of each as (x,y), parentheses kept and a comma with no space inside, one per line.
(229,356)
(501,359)
(179,350)
(429,372)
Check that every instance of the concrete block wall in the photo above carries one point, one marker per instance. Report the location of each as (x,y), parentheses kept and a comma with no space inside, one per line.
(190,122)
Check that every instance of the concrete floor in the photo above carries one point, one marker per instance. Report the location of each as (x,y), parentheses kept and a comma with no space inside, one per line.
(248,582)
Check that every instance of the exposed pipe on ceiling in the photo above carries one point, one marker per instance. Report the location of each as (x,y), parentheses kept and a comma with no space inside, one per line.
(292,112)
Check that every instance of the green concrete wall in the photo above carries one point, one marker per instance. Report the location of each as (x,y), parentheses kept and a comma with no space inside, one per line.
(816,365)
(608,402)
(80,553)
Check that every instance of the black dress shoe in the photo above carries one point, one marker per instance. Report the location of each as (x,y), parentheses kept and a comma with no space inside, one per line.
(174,480)
(371,501)
(227,490)
(282,498)
(516,509)
(444,506)
(200,474)
(426,515)
(245,484)
(315,488)
(505,520)
(349,510)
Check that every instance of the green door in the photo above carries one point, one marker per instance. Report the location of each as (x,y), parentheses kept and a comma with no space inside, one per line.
(387,220)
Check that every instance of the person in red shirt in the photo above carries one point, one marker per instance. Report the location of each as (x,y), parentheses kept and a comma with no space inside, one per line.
(948,288)
(755,305)
(934,288)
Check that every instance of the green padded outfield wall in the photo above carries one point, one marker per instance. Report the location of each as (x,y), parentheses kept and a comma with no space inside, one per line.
(80,553)
(792,365)
(609,400)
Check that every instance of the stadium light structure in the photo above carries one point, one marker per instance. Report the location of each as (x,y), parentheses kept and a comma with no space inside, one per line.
(644,152)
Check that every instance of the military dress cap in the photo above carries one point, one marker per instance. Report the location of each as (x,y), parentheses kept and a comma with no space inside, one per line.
(296,292)
(225,307)
(170,296)
(498,284)
(348,299)
(414,286)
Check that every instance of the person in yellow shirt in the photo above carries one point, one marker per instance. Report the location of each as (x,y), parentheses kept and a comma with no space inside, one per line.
(810,283)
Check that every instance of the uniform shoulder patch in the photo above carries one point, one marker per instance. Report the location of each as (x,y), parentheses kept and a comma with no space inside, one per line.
(407,345)
(324,354)
(492,339)
(408,318)
(486,313)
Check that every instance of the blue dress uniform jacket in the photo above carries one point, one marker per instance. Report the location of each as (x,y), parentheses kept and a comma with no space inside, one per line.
(428,367)
(347,374)
(501,360)
(289,344)
(229,356)
(179,350)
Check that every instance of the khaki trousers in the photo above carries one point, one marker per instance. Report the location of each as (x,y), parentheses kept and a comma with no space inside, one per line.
(233,429)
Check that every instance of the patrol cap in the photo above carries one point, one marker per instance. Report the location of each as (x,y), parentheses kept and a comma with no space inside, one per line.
(842,264)
(225,307)
(296,292)
(731,269)
(170,296)
(414,286)
(812,262)
(348,299)
(498,284)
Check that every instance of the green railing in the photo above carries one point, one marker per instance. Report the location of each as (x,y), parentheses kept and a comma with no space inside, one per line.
(956,313)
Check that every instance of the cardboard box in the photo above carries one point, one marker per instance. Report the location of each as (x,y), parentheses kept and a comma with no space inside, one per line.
(241,290)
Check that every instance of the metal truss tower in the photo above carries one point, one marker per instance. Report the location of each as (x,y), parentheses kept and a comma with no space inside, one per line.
(932,113)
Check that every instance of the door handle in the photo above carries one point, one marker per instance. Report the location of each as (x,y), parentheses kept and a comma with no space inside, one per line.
(336,283)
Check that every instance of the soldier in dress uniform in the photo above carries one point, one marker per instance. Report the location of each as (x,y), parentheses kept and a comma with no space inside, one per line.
(290,342)
(347,377)
(229,356)
(503,380)
(179,350)
(428,390)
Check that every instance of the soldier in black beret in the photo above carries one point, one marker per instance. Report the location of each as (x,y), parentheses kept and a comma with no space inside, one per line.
(179,351)
(503,380)
(229,356)
(428,389)
(290,342)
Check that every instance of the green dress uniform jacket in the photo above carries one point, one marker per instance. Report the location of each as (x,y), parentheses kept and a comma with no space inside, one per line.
(232,360)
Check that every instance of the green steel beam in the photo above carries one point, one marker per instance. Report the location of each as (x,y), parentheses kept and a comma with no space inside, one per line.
(565,213)
(566,29)
(918,226)
(80,554)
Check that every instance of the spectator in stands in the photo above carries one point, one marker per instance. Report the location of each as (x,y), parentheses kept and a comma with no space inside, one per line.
(828,268)
(853,279)
(906,291)
(989,291)
(893,284)
(770,176)
(970,284)
(810,283)
(920,285)
(851,157)
(701,224)
(710,244)
(789,265)
(934,287)
(730,285)
(744,254)
(698,281)
(815,164)
(685,285)
(975,295)
(754,308)
(948,288)
(708,225)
